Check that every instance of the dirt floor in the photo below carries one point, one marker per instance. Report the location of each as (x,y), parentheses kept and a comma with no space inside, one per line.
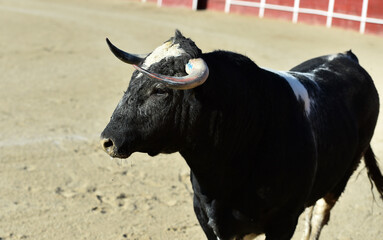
(59,85)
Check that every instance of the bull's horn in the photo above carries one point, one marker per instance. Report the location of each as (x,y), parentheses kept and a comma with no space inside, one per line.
(124,56)
(196,69)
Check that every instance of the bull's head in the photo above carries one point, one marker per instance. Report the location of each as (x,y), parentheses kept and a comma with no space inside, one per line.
(150,117)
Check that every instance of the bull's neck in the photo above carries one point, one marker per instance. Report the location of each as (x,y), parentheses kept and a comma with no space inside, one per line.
(228,128)
(220,145)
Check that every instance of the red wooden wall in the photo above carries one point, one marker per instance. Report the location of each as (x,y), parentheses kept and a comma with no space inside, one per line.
(351,8)
(184,3)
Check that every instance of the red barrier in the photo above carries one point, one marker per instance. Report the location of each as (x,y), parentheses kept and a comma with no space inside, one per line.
(184,3)
(361,15)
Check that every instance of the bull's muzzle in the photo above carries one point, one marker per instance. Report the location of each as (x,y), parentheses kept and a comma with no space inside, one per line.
(108,146)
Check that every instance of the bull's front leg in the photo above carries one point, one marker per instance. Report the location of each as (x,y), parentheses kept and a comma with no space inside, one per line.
(203,218)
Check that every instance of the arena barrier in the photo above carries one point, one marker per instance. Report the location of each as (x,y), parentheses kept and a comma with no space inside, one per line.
(365,16)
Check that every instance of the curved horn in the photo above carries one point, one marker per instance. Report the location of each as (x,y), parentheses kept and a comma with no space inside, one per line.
(196,69)
(124,56)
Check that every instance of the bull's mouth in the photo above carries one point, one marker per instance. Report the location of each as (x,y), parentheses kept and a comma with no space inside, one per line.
(153,153)
(115,154)
(119,155)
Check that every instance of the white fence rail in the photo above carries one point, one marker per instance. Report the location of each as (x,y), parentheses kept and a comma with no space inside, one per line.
(296,10)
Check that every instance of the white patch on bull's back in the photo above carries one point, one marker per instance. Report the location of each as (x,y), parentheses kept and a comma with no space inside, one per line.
(166,50)
(308,75)
(320,69)
(332,57)
(299,90)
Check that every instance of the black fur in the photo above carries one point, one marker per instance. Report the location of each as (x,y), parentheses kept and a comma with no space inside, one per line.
(257,158)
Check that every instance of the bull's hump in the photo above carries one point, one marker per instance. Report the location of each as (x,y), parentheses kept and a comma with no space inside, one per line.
(166,50)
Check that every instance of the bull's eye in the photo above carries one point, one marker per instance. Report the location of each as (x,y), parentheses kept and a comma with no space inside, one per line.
(159,91)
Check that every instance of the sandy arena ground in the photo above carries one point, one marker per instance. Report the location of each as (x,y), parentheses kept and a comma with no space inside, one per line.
(60,84)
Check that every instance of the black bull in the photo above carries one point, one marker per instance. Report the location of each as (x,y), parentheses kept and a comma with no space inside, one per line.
(262,145)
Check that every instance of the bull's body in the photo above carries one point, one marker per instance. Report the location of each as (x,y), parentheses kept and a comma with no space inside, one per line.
(261,153)
(262,145)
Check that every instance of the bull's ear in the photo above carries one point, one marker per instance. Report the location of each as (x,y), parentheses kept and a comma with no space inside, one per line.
(197,71)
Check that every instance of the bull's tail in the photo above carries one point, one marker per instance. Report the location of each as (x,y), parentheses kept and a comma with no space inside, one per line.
(352,56)
(373,171)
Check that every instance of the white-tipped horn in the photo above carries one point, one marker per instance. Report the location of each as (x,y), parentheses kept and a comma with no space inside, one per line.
(124,56)
(196,69)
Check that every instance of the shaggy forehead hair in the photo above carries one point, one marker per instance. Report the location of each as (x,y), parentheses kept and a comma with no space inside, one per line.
(171,57)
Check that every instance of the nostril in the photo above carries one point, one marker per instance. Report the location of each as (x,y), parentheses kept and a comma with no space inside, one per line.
(107,143)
